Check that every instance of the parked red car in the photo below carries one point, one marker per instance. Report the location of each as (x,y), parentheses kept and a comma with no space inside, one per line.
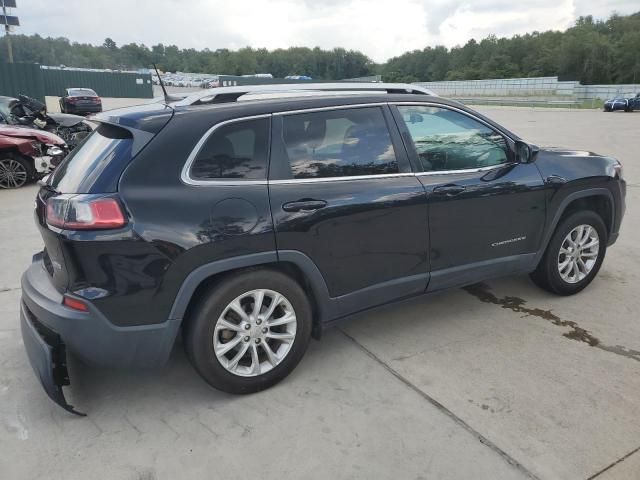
(27,154)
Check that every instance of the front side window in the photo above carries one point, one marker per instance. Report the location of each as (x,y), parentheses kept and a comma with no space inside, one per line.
(236,151)
(338,143)
(448,140)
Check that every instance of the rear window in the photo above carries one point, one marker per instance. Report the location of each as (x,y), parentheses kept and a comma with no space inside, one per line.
(96,163)
(82,92)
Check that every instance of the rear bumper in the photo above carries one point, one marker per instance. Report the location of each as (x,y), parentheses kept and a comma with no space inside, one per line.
(89,335)
(83,108)
(49,329)
(47,357)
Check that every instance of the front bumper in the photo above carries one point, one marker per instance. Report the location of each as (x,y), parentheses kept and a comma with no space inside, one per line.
(49,329)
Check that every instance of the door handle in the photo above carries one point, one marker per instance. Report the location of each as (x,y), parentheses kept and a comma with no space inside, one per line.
(449,190)
(304,205)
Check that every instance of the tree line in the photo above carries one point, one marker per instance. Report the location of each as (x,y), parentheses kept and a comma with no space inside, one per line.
(592,51)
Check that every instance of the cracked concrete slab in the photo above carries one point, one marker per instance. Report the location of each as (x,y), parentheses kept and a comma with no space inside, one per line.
(340,415)
(625,468)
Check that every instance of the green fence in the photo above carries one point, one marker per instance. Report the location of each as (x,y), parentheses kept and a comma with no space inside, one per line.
(37,82)
(16,78)
(105,84)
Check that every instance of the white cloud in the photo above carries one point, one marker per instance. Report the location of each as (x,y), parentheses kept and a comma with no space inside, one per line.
(379,28)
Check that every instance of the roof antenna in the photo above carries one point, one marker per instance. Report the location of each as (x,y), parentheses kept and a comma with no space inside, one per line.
(167,98)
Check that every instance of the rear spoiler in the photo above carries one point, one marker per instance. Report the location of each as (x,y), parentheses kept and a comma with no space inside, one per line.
(143,122)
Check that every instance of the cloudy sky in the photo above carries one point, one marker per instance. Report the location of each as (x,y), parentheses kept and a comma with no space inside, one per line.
(379,28)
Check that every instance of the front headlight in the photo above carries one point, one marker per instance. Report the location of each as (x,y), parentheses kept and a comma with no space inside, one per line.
(54,151)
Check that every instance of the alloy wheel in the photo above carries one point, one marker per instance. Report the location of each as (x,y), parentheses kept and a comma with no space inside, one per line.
(254,333)
(13,174)
(578,253)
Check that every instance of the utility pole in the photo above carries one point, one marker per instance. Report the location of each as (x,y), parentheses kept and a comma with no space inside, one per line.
(8,22)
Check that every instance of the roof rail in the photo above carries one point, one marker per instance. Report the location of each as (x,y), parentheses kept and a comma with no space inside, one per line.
(232,94)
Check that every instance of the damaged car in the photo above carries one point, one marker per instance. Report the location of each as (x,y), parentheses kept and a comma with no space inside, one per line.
(27,154)
(30,112)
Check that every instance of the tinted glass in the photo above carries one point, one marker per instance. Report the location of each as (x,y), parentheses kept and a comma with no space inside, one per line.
(237,150)
(104,153)
(82,92)
(338,143)
(448,140)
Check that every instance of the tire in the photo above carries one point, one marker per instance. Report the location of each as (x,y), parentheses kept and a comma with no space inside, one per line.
(548,274)
(15,170)
(201,338)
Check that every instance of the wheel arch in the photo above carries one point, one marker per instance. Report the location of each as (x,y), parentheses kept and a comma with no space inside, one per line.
(599,200)
(292,263)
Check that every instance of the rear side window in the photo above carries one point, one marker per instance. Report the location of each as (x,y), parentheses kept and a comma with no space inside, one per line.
(237,151)
(96,162)
(337,143)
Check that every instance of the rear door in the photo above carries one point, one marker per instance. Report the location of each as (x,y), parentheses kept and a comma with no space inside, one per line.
(342,193)
(486,210)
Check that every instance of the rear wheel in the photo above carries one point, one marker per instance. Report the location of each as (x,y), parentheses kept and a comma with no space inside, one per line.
(249,332)
(574,254)
(15,171)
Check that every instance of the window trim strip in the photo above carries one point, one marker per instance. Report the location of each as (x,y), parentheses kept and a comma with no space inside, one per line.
(340,179)
(186,178)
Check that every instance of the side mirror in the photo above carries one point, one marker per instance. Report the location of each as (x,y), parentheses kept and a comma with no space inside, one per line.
(526,153)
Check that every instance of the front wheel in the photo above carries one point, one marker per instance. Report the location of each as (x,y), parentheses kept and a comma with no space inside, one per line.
(15,171)
(249,332)
(574,254)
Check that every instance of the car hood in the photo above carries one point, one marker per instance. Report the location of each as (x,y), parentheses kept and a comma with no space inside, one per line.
(573,164)
(65,119)
(26,132)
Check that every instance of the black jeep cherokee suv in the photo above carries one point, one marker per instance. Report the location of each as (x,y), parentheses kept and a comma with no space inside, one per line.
(251,221)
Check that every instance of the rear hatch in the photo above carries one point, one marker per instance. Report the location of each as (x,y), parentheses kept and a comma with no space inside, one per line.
(85,100)
(91,171)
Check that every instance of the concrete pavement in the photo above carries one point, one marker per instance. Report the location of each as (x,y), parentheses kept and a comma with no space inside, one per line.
(500,380)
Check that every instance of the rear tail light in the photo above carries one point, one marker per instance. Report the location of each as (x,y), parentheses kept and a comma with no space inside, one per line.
(85,212)
(74,304)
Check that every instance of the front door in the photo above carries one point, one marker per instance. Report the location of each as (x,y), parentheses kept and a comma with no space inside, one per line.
(343,194)
(486,211)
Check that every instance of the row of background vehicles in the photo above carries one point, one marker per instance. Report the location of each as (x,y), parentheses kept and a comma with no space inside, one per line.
(622,102)
(33,141)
